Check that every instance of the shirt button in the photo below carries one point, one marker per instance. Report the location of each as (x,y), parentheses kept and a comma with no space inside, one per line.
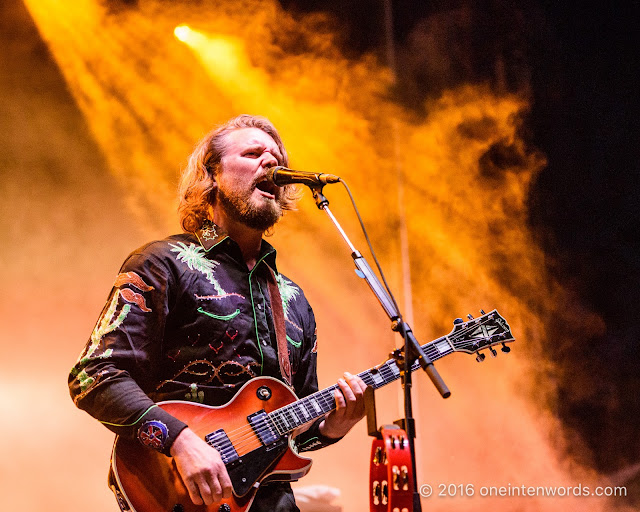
(264,342)
(260,307)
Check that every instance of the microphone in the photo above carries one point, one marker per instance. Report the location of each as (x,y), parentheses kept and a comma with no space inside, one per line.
(281,176)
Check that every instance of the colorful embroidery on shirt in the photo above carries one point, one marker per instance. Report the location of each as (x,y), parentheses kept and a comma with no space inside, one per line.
(288,292)
(206,372)
(133,279)
(196,259)
(87,381)
(84,379)
(136,298)
(230,316)
(194,395)
(293,324)
(154,434)
(293,342)
(209,232)
(110,321)
(216,349)
(218,297)
(105,325)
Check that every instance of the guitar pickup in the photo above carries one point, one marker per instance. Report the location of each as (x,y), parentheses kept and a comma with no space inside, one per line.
(220,441)
(262,427)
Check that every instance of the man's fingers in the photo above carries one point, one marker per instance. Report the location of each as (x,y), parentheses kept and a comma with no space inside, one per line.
(215,490)
(225,482)
(356,383)
(340,401)
(206,492)
(194,492)
(354,393)
(346,390)
(201,469)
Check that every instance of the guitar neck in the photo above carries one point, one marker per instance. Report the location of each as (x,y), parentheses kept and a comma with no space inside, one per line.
(321,402)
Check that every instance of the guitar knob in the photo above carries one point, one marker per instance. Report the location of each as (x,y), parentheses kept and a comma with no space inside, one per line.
(470,317)
(493,352)
(224,508)
(505,349)
(480,357)
(482,312)
(458,321)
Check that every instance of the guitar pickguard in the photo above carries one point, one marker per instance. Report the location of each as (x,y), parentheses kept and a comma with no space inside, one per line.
(248,469)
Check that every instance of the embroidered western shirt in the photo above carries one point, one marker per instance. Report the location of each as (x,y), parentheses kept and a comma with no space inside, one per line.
(187,320)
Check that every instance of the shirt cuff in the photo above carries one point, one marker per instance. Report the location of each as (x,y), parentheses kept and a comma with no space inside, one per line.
(313,439)
(158,430)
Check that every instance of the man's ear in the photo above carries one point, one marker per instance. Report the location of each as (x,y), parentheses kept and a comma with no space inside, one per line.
(214,183)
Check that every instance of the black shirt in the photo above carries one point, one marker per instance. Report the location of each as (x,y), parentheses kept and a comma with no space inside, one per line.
(187,320)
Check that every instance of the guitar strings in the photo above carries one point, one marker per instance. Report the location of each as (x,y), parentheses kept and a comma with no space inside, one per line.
(247,435)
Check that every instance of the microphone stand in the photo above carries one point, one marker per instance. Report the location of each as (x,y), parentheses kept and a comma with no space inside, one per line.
(404,357)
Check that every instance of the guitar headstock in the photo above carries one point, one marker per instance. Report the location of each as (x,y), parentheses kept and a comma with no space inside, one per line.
(479,333)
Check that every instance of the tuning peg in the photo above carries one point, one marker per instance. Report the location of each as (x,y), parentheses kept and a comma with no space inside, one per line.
(470,317)
(480,357)
(482,312)
(505,349)
(493,352)
(458,321)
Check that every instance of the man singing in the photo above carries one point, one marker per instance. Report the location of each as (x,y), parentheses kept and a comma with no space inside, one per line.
(193,317)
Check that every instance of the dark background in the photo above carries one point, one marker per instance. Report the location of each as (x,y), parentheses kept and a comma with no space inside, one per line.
(579,65)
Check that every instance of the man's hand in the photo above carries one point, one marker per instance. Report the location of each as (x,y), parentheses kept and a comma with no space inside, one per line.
(201,468)
(349,407)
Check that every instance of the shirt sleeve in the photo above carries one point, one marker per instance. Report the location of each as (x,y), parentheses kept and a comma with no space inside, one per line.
(306,383)
(115,371)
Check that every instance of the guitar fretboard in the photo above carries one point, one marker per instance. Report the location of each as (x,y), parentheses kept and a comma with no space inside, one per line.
(321,402)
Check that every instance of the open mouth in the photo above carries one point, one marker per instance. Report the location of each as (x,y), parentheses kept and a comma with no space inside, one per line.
(267,189)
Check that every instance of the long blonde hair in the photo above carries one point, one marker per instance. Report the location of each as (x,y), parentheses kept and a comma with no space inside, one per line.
(197,184)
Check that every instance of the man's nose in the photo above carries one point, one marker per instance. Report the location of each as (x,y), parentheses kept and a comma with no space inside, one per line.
(269,160)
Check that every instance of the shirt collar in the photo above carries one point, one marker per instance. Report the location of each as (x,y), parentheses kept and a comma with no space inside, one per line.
(269,253)
(211,235)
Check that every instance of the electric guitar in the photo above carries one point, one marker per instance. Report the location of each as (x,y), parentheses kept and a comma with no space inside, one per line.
(252,432)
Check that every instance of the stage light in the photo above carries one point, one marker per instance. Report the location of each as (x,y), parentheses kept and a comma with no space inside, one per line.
(182,32)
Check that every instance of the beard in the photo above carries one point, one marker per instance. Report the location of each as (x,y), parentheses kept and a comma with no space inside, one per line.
(241,207)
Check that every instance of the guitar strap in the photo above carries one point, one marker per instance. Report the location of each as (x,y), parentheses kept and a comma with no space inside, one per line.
(281,329)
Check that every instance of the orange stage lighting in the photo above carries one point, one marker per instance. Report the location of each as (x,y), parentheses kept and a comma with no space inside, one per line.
(182,33)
